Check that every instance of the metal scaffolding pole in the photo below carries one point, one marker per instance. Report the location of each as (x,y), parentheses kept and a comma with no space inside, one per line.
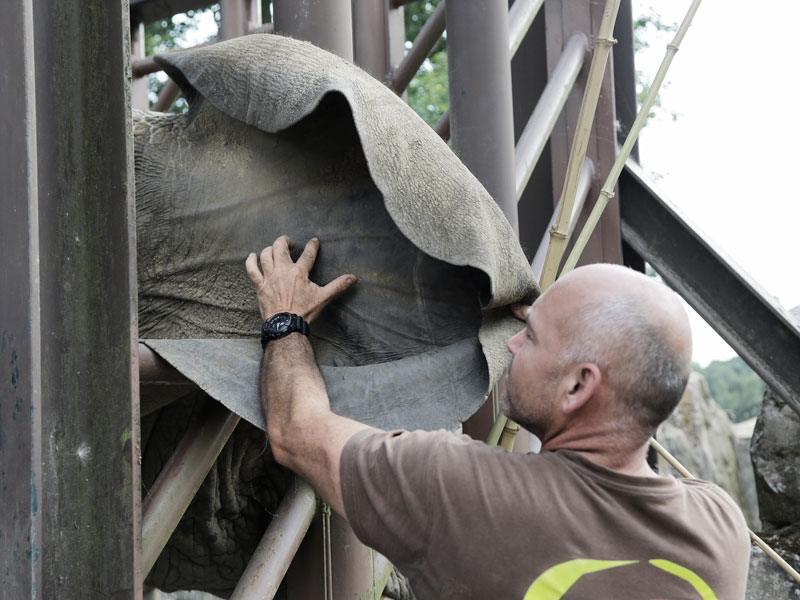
(325,23)
(378,37)
(69,498)
(481,121)
(277,548)
(236,17)
(537,131)
(182,476)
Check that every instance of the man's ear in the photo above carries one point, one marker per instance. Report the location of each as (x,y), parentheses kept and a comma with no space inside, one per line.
(583,381)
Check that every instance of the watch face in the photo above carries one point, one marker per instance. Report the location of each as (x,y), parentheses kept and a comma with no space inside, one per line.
(277,325)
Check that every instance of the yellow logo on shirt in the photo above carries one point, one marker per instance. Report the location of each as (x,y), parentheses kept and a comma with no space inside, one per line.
(556,581)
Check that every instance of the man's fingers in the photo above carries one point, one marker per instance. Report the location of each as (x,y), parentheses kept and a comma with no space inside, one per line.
(337,286)
(281,248)
(309,255)
(267,262)
(330,291)
(520,310)
(251,264)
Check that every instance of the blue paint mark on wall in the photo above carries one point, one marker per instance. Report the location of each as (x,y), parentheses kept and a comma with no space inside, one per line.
(14,370)
(34,503)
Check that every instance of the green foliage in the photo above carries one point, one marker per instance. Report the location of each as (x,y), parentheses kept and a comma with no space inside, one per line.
(648,25)
(169,34)
(428,92)
(735,387)
(416,14)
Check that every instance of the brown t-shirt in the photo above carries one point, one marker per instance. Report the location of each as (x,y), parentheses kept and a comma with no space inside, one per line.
(464,520)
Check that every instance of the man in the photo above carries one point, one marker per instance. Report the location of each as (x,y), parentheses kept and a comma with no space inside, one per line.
(602,361)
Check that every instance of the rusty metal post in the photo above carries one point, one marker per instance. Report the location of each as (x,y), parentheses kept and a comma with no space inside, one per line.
(357,571)
(236,17)
(167,97)
(562,19)
(277,548)
(532,142)
(481,122)
(182,476)
(70,483)
(139,85)
(378,37)
(325,23)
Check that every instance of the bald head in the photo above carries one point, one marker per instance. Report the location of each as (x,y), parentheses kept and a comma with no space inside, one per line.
(634,328)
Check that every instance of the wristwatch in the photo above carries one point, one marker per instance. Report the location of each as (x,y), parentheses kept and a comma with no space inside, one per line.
(280,325)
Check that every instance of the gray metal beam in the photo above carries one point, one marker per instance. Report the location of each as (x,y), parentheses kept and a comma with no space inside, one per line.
(378,37)
(520,18)
(325,23)
(236,18)
(762,332)
(536,133)
(481,120)
(69,406)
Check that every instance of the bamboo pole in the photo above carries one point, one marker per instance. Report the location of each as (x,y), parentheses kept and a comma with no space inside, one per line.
(607,191)
(756,540)
(580,142)
(558,234)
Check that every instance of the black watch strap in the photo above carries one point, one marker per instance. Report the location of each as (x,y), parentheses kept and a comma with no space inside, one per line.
(280,325)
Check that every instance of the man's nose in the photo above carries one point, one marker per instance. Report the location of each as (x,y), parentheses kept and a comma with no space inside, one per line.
(514,342)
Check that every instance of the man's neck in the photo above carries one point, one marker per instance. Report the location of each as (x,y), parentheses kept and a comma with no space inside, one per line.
(607,451)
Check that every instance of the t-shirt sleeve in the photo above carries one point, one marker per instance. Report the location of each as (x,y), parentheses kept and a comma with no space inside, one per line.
(384,479)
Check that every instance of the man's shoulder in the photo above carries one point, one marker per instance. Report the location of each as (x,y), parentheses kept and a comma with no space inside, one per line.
(416,440)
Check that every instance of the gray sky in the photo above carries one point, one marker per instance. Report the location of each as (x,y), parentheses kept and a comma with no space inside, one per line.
(728,159)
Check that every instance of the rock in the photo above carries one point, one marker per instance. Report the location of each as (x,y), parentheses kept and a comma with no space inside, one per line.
(775,450)
(699,433)
(747,483)
(766,580)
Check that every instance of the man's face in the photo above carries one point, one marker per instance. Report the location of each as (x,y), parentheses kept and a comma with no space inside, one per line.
(533,379)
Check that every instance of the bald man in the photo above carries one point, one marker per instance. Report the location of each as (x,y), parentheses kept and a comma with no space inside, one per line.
(602,361)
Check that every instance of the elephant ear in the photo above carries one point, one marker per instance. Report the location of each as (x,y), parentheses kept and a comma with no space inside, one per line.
(284,88)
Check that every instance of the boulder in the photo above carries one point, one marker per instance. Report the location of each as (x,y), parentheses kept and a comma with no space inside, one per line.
(775,451)
(700,434)
(766,580)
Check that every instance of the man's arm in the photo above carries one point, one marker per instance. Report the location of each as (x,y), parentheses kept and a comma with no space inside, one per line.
(304,434)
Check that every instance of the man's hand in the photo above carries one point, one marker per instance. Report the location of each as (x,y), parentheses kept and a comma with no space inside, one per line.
(284,285)
(519,310)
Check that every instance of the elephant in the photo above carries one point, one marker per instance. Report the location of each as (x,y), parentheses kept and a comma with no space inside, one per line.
(282,137)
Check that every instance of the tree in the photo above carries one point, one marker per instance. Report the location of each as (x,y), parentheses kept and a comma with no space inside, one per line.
(428,91)
(735,387)
(169,34)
